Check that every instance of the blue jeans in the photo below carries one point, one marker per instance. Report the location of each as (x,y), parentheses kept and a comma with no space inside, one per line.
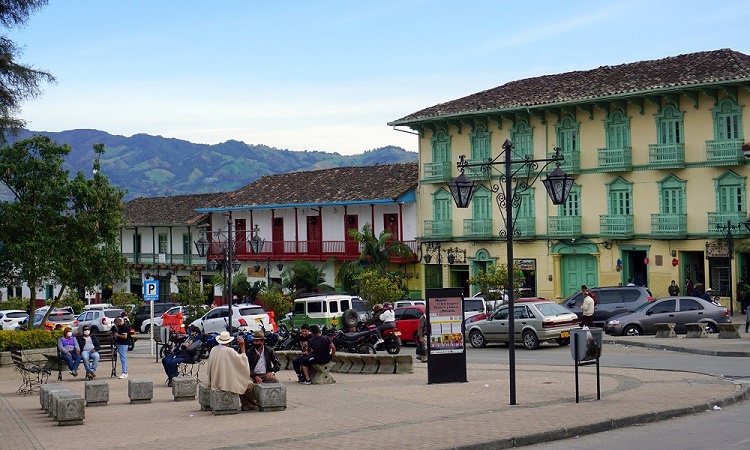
(122,350)
(170,362)
(94,356)
(72,359)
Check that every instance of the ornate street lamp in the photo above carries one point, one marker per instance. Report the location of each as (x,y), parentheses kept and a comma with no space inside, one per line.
(514,180)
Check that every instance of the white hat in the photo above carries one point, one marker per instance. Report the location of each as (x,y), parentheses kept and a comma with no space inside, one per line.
(709,290)
(224,338)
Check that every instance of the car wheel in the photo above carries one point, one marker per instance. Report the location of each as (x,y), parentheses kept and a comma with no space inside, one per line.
(366,349)
(563,342)
(283,331)
(349,318)
(711,328)
(530,340)
(477,339)
(147,330)
(631,330)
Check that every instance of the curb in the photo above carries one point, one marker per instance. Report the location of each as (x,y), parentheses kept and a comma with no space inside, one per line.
(606,425)
(674,348)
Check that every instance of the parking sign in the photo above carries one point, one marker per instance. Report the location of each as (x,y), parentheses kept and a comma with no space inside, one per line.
(151,290)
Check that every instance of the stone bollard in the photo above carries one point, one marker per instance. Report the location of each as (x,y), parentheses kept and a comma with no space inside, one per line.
(184,388)
(204,397)
(44,393)
(70,410)
(56,397)
(270,396)
(404,363)
(140,390)
(371,363)
(224,402)
(357,363)
(321,373)
(341,363)
(387,364)
(97,393)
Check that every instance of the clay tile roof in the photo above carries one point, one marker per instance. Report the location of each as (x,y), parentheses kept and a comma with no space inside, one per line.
(173,210)
(336,185)
(693,69)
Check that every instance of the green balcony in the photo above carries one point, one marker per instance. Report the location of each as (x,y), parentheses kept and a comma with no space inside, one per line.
(477,227)
(564,226)
(724,153)
(572,164)
(437,172)
(438,229)
(669,225)
(616,159)
(666,156)
(616,226)
(525,228)
(720,219)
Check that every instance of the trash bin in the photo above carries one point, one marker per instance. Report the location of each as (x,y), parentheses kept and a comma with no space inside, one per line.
(586,344)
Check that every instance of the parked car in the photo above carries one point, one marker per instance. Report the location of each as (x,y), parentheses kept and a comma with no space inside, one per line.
(143,312)
(10,319)
(407,321)
(159,320)
(58,319)
(324,310)
(408,302)
(534,323)
(100,320)
(474,306)
(610,301)
(483,316)
(679,310)
(244,317)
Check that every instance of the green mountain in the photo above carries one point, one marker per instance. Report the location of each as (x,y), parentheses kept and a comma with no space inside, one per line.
(149,166)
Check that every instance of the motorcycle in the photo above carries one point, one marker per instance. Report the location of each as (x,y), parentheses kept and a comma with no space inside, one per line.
(391,339)
(357,342)
(291,342)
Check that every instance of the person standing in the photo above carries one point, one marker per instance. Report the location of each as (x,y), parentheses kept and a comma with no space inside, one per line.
(69,350)
(322,351)
(89,345)
(674,289)
(120,333)
(688,286)
(422,336)
(587,308)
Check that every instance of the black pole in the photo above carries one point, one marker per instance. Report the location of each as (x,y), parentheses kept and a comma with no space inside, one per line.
(228,264)
(509,290)
(730,251)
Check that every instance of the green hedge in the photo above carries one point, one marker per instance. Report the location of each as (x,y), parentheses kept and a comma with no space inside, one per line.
(29,339)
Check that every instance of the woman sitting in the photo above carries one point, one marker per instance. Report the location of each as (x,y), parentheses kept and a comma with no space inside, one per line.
(69,350)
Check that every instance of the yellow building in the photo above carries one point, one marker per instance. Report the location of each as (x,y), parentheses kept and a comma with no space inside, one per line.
(656,149)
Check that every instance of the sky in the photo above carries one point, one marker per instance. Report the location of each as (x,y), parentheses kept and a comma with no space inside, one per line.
(329,75)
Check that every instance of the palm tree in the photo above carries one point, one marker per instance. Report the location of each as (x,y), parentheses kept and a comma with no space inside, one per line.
(303,277)
(376,253)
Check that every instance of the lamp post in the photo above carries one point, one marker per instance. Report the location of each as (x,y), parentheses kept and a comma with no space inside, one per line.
(516,176)
(279,266)
(228,264)
(728,231)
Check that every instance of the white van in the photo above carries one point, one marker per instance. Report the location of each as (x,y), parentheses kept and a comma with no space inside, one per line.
(402,303)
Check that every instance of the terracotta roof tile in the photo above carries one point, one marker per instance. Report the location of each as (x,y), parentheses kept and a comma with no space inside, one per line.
(672,72)
(172,210)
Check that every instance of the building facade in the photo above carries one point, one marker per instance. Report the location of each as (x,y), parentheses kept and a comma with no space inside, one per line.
(656,149)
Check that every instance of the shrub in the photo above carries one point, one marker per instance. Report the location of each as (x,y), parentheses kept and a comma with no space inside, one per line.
(29,339)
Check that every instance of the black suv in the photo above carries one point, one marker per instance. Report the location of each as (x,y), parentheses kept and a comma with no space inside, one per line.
(144,312)
(610,301)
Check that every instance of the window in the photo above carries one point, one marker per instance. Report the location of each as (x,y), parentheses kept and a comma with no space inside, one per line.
(314,307)
(441,147)
(136,247)
(672,195)
(299,308)
(688,304)
(665,307)
(345,306)
(526,206)
(617,130)
(572,207)
(669,127)
(567,135)
(480,144)
(730,193)
(502,314)
(620,197)
(442,206)
(523,140)
(727,121)
(333,306)
(608,297)
(186,247)
(163,243)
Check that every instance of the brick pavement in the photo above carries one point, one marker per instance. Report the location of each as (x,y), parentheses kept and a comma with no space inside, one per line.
(392,410)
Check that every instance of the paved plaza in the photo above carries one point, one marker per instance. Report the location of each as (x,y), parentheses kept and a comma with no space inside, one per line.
(396,411)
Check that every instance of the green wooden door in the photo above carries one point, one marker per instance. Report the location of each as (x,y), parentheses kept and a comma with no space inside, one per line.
(578,270)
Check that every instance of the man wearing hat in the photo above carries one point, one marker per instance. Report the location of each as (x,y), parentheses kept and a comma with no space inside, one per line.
(263,361)
(708,295)
(229,370)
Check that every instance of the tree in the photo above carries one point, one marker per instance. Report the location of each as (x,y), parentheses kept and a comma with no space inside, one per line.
(376,254)
(192,295)
(18,82)
(493,282)
(375,287)
(57,229)
(303,277)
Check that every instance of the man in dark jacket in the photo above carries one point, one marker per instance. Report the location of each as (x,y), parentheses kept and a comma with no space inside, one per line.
(89,345)
(262,360)
(186,352)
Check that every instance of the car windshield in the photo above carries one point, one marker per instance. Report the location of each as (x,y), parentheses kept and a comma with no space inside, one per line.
(358,306)
(473,305)
(61,317)
(251,311)
(552,309)
(112,313)
(643,306)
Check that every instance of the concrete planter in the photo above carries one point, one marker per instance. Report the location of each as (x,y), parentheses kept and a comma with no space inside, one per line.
(32,355)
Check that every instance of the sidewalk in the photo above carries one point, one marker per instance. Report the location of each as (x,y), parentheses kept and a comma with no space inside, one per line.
(396,411)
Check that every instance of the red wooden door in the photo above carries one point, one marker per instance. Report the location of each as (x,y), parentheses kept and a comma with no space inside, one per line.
(240,236)
(314,236)
(390,224)
(351,245)
(277,235)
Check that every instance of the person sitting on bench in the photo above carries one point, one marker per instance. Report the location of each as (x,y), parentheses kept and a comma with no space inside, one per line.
(90,347)
(70,352)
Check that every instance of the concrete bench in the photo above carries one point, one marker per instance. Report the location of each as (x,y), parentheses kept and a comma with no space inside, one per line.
(404,363)
(184,388)
(387,364)
(696,330)
(321,373)
(729,331)
(270,396)
(371,364)
(140,390)
(96,393)
(355,363)
(224,402)
(204,397)
(665,330)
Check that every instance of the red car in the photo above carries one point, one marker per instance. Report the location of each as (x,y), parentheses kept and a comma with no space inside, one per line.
(407,321)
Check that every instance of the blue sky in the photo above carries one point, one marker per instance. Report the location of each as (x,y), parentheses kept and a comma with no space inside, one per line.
(328,75)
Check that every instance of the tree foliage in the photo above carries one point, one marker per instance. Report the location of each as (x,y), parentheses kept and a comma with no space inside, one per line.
(304,277)
(493,282)
(192,295)
(375,287)
(18,82)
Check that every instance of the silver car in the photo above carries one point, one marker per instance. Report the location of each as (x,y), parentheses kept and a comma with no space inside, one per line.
(679,310)
(535,321)
(100,320)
